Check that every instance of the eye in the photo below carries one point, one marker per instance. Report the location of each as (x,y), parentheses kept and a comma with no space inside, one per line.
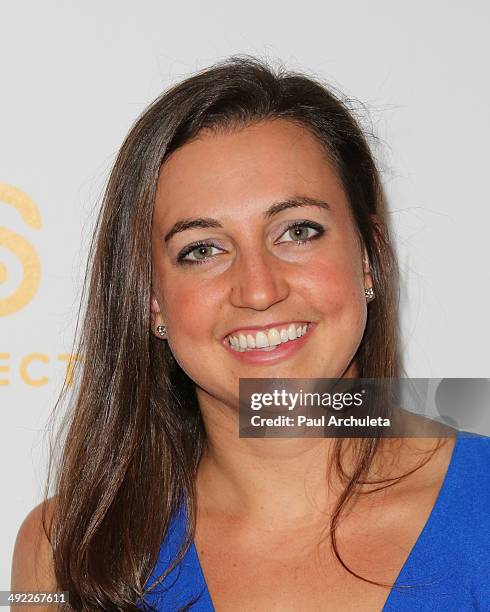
(303,231)
(197,253)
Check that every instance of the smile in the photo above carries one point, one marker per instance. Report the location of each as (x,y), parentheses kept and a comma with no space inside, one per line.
(267,340)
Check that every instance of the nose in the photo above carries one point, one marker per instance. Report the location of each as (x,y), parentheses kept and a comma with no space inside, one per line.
(259,281)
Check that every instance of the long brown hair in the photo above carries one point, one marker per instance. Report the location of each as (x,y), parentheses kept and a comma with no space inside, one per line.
(134,434)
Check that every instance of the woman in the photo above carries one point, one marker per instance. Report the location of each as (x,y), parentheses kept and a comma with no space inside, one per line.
(244,207)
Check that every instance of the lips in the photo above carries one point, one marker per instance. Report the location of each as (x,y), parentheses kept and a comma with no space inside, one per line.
(266,338)
(268,355)
(253,329)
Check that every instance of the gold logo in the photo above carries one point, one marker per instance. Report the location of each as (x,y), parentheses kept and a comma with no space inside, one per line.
(21,248)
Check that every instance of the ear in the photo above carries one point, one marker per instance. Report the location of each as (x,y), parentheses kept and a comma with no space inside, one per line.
(366,267)
(378,233)
(156,316)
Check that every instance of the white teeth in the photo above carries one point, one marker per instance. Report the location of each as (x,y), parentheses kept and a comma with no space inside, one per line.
(261,340)
(274,337)
(292,332)
(267,340)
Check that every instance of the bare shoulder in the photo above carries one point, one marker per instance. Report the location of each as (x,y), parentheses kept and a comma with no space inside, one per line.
(32,565)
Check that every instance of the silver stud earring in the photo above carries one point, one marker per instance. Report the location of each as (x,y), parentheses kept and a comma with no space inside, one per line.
(369,294)
(162,330)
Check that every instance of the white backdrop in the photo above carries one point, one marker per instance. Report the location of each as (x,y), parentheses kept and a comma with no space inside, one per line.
(75,75)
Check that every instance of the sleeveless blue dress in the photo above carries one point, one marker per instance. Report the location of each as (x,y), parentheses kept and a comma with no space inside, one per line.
(447,570)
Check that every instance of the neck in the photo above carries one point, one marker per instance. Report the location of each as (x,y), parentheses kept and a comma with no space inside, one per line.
(266,479)
(263,480)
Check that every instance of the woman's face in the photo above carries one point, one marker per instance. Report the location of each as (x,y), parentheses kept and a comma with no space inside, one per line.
(252,240)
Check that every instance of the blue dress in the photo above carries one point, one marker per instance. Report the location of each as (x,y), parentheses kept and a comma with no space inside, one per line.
(448,568)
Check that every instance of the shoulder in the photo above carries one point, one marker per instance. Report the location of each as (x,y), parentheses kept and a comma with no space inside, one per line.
(466,517)
(32,566)
(467,496)
(472,461)
(469,484)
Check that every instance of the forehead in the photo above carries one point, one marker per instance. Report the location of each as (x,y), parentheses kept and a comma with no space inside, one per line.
(222,171)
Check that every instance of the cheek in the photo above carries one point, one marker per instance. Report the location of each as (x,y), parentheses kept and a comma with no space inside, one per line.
(337,295)
(333,285)
(191,314)
(336,291)
(189,309)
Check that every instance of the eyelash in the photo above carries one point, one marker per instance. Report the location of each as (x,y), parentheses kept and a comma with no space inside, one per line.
(297,224)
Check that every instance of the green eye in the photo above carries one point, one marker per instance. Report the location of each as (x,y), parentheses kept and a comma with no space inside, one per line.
(202,252)
(299,233)
(197,253)
(302,232)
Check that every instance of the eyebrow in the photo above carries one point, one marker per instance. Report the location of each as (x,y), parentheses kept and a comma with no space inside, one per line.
(274,209)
